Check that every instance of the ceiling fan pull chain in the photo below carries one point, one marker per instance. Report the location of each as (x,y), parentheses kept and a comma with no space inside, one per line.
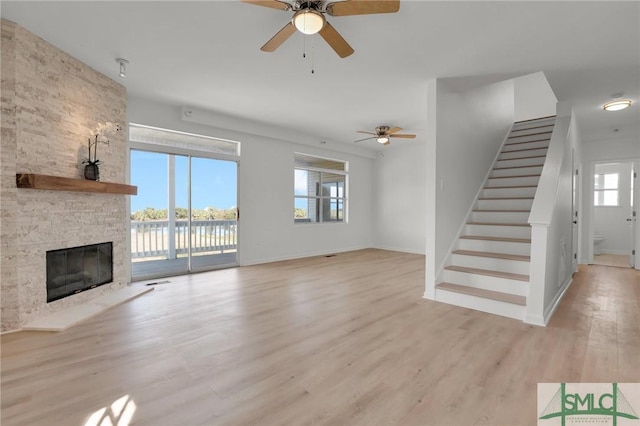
(304,46)
(313,57)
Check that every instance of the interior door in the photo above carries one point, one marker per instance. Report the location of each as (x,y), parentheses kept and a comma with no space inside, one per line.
(574,210)
(631,220)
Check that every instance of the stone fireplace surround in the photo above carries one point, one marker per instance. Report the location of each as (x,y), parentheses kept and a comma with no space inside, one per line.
(50,101)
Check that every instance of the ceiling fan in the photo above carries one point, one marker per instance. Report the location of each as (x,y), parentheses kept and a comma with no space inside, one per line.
(384,134)
(308,18)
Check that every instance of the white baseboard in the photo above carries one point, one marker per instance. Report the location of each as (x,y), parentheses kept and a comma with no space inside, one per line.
(10,331)
(299,256)
(400,249)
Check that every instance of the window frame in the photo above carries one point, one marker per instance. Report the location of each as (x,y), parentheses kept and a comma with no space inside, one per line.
(319,197)
(599,193)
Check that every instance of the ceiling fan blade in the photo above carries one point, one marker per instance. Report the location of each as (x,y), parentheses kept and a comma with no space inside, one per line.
(335,40)
(280,37)
(368,133)
(365,139)
(403,136)
(362,7)
(274,4)
(393,130)
(386,143)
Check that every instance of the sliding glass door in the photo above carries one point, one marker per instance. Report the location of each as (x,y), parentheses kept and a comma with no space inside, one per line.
(184,216)
(214,224)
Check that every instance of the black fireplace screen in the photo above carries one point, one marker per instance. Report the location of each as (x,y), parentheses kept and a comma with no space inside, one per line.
(75,269)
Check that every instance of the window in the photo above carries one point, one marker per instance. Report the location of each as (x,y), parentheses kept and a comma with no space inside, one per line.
(320,189)
(605,189)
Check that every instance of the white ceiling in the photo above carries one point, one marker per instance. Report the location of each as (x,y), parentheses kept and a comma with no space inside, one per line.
(205,54)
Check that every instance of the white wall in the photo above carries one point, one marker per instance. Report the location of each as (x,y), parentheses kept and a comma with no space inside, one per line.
(534,98)
(400,203)
(267,231)
(611,221)
(611,150)
(471,127)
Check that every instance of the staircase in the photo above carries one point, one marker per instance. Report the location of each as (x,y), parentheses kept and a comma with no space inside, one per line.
(489,268)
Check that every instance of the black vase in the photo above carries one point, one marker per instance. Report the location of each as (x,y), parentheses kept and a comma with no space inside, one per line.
(91,172)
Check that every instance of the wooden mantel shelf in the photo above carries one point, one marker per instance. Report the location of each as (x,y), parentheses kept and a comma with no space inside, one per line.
(57,183)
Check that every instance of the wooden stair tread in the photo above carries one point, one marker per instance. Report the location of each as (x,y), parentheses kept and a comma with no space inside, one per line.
(514,186)
(530,128)
(487,294)
(500,211)
(522,150)
(530,134)
(497,224)
(522,158)
(518,167)
(493,255)
(505,198)
(520,143)
(488,272)
(502,239)
(548,117)
(514,176)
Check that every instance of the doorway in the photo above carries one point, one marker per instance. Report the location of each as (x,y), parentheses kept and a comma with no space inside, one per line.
(613,213)
(184,218)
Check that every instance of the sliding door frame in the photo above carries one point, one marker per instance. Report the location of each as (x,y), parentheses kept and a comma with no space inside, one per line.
(189,153)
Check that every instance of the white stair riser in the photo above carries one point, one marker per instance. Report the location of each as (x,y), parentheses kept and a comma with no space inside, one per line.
(527,136)
(513,181)
(520,162)
(481,304)
(503,285)
(520,154)
(495,246)
(508,192)
(528,145)
(531,128)
(508,217)
(504,204)
(498,231)
(490,263)
(533,170)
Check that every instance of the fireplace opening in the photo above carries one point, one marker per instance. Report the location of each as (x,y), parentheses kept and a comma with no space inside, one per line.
(76,269)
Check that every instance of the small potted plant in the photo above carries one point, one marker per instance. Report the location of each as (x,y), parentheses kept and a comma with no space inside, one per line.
(99,135)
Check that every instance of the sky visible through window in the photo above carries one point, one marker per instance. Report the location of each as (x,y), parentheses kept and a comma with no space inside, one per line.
(214,182)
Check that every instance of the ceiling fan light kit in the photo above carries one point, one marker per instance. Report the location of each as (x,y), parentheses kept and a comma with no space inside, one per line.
(308,21)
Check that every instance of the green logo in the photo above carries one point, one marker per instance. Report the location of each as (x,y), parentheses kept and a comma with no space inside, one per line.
(565,404)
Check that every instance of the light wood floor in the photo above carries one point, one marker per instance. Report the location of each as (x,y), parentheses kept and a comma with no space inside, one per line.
(609,259)
(326,340)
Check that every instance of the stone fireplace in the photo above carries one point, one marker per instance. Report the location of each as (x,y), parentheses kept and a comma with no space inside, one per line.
(50,102)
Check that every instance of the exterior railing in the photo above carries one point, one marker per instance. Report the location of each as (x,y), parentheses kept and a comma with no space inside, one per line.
(152,238)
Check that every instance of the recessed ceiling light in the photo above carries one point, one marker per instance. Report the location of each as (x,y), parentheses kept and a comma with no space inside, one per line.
(617,105)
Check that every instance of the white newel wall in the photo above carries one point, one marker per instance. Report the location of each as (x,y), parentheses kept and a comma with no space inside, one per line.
(50,102)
